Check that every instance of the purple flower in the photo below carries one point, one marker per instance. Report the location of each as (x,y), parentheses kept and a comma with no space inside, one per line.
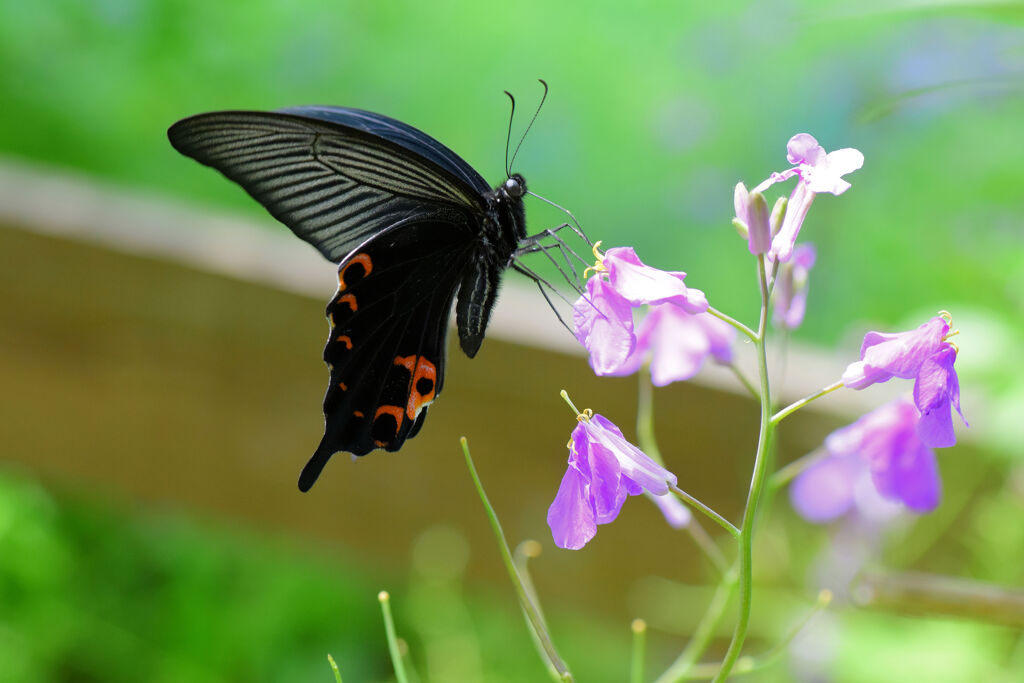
(817,171)
(884,444)
(641,284)
(604,325)
(924,355)
(678,344)
(676,514)
(936,389)
(603,470)
(603,317)
(790,292)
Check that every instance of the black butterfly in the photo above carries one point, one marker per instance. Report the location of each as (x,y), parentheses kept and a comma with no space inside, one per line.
(411,225)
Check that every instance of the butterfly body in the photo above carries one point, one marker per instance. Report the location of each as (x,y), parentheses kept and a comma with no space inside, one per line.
(414,229)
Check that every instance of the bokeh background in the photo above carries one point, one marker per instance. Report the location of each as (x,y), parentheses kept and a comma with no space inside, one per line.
(155,411)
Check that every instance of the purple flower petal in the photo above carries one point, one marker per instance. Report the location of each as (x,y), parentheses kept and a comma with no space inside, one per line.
(680,343)
(902,467)
(796,211)
(604,325)
(802,148)
(884,356)
(641,284)
(633,462)
(825,490)
(915,478)
(827,176)
(676,514)
(571,515)
(607,484)
(935,391)
(790,292)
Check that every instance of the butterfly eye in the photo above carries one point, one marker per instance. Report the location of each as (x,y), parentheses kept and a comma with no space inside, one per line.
(515,186)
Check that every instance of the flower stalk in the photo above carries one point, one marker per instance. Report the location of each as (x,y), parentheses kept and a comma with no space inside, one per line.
(533,615)
(389,628)
(757,482)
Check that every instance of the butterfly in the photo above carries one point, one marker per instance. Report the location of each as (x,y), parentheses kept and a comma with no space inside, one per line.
(414,229)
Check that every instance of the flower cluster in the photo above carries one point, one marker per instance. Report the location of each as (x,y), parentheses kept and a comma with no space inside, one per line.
(887,453)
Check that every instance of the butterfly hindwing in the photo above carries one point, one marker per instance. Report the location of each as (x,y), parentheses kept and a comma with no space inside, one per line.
(389,326)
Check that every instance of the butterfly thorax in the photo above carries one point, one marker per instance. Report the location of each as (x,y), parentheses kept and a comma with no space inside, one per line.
(504,225)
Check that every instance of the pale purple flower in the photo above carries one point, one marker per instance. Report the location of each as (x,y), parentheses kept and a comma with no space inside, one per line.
(923,355)
(603,317)
(817,171)
(676,513)
(603,470)
(936,389)
(752,214)
(678,343)
(640,284)
(604,325)
(885,444)
(790,292)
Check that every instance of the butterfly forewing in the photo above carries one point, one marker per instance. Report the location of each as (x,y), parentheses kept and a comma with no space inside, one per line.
(333,185)
(386,350)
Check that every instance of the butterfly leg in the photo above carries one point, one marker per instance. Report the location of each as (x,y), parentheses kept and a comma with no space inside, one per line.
(563,249)
(541,283)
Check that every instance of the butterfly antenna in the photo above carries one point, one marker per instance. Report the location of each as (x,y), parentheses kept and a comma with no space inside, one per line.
(535,114)
(508,138)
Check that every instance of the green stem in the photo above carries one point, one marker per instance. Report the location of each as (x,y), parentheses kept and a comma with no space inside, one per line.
(732,321)
(744,380)
(639,628)
(649,444)
(711,514)
(706,629)
(790,471)
(707,546)
(389,629)
(757,482)
(532,613)
(522,555)
(334,668)
(797,405)
(645,416)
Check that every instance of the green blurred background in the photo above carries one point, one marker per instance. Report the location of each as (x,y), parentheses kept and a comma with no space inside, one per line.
(656,111)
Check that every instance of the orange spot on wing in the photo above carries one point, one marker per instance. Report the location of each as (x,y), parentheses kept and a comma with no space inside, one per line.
(358,413)
(346,341)
(419,369)
(363,260)
(393,411)
(349,299)
(342,386)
